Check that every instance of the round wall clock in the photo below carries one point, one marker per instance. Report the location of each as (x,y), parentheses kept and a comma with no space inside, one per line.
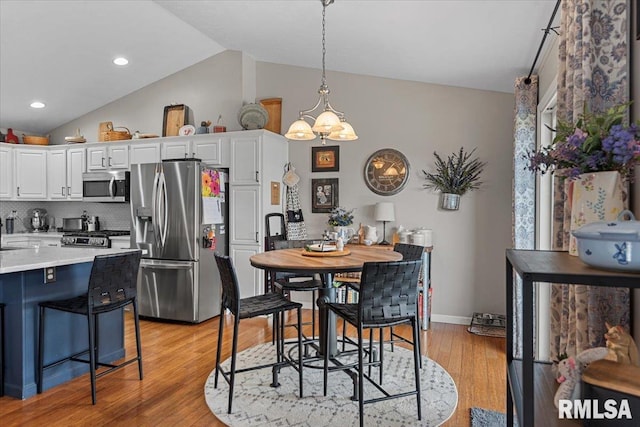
(386,171)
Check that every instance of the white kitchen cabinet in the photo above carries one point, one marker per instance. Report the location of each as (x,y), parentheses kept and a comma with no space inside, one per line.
(121,242)
(57,174)
(7,188)
(245,213)
(249,278)
(145,152)
(108,157)
(257,159)
(75,169)
(50,241)
(208,148)
(245,160)
(31,174)
(64,173)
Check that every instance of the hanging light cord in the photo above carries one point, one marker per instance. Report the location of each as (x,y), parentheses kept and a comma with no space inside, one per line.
(324,49)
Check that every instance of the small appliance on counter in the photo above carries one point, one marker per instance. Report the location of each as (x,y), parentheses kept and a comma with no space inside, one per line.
(37,220)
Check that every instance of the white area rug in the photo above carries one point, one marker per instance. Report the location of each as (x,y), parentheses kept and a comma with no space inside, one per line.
(255,403)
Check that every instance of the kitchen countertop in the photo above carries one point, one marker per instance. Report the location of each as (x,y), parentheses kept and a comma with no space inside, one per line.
(17,260)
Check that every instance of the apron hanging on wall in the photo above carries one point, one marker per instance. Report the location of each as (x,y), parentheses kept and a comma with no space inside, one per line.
(296,228)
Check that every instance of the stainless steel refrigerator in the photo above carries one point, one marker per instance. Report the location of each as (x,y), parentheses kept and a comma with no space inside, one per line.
(179,220)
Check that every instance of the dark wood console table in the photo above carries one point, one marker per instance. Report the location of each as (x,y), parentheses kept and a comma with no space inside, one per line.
(553,267)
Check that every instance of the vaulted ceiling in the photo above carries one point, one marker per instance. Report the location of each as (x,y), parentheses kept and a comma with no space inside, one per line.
(61,52)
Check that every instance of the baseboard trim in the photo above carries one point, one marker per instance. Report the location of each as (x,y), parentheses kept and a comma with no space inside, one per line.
(439,318)
(456,320)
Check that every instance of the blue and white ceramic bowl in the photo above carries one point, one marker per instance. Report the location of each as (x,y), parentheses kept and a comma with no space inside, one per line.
(612,245)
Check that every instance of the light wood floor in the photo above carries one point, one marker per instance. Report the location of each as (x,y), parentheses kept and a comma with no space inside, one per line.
(178,359)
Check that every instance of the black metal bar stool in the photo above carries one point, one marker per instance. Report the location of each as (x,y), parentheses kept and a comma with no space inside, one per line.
(243,308)
(112,286)
(388,297)
(2,349)
(409,253)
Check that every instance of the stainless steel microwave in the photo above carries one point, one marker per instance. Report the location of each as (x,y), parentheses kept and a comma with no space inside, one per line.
(111,186)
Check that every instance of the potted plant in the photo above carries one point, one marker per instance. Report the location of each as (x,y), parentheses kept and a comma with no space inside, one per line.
(340,219)
(455,176)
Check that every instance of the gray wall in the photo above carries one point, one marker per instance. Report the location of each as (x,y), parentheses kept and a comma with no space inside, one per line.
(416,119)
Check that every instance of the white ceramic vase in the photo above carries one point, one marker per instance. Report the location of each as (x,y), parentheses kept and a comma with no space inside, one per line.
(595,196)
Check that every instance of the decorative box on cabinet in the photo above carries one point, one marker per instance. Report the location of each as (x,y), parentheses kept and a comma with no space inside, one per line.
(530,384)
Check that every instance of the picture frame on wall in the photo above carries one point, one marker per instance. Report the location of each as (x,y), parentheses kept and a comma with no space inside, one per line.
(325,195)
(637,21)
(325,159)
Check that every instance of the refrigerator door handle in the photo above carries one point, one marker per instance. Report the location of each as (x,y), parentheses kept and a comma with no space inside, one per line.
(154,203)
(164,209)
(166,266)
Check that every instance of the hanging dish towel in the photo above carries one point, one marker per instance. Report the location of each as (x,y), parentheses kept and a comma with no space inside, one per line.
(296,228)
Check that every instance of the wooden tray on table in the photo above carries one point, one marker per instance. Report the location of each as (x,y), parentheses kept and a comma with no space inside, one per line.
(326,254)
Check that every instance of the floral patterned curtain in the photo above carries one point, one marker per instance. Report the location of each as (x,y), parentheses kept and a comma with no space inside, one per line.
(593,75)
(524,189)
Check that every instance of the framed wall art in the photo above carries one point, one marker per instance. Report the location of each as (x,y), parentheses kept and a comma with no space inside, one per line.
(325,195)
(325,159)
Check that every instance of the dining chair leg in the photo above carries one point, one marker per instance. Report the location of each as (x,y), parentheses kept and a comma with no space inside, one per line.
(92,355)
(416,357)
(381,357)
(138,342)
(360,377)
(300,350)
(218,350)
(234,348)
(326,354)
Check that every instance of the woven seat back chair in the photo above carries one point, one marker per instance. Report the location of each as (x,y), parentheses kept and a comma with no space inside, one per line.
(271,303)
(112,286)
(409,253)
(280,233)
(388,297)
(283,281)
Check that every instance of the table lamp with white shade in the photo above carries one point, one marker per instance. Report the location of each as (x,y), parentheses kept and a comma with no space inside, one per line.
(384,211)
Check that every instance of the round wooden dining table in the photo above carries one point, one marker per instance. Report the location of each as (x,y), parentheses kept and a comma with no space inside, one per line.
(295,260)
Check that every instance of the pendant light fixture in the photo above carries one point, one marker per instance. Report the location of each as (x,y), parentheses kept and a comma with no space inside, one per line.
(331,123)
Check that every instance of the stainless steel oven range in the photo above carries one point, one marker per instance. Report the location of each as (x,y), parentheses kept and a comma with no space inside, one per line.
(95,239)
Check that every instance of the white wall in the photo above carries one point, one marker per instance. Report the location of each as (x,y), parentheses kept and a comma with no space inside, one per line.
(209,88)
(416,119)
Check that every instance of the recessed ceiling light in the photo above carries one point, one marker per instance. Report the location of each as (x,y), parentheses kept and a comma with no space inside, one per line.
(121,61)
(37,104)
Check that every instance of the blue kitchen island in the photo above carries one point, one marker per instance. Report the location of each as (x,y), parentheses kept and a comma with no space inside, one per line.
(28,276)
